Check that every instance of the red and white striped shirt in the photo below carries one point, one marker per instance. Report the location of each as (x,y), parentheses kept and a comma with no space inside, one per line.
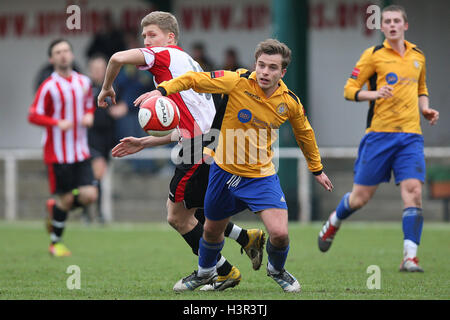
(63,98)
(197,110)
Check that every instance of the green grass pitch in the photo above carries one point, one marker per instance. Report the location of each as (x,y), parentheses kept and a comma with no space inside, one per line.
(143,261)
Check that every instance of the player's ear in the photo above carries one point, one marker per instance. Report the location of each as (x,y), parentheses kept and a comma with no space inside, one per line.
(171,36)
(406,26)
(283,72)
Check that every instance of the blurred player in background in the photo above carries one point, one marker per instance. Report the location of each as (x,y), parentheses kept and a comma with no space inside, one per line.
(254,100)
(64,105)
(101,135)
(187,188)
(395,72)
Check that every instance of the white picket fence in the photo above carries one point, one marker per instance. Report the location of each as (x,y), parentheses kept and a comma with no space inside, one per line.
(12,156)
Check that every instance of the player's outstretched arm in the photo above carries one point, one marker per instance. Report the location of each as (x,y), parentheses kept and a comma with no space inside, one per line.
(117,60)
(324,181)
(132,145)
(127,146)
(202,82)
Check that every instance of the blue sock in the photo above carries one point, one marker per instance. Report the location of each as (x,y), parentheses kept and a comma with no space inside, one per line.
(208,253)
(343,210)
(277,256)
(412,223)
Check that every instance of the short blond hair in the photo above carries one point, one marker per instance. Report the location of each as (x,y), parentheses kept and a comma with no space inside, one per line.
(273,46)
(164,20)
(395,8)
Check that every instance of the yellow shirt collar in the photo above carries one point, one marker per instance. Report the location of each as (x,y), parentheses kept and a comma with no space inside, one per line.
(408,45)
(281,85)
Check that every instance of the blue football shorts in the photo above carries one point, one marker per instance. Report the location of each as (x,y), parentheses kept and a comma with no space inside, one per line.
(381,153)
(229,194)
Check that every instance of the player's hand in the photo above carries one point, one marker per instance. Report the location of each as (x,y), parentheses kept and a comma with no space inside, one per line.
(105,93)
(127,146)
(323,180)
(145,96)
(431,115)
(385,92)
(87,120)
(64,124)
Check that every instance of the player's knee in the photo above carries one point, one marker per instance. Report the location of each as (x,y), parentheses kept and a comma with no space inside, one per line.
(88,195)
(211,233)
(414,195)
(417,196)
(358,203)
(173,221)
(65,201)
(359,200)
(174,216)
(279,238)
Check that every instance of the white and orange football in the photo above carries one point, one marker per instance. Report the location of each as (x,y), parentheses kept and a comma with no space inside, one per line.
(159,116)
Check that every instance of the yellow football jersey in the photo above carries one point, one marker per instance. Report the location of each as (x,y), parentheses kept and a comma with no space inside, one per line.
(380,66)
(248,120)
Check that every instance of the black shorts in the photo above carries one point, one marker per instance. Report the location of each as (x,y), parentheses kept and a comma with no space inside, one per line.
(189,184)
(100,145)
(64,177)
(100,153)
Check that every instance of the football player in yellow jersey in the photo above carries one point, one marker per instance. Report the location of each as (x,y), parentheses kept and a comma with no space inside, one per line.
(185,211)
(242,174)
(397,91)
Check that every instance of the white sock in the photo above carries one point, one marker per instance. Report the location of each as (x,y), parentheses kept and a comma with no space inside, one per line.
(271,268)
(221,262)
(206,272)
(409,249)
(54,237)
(234,234)
(335,221)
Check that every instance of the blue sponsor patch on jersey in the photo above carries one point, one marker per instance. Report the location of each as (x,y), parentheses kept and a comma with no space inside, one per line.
(391,78)
(244,115)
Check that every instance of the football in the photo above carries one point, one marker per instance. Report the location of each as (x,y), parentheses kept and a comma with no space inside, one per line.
(159,116)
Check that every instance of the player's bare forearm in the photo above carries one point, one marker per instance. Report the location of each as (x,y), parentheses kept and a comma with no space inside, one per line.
(370,95)
(424,102)
(366,95)
(132,145)
(112,70)
(151,141)
(117,60)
